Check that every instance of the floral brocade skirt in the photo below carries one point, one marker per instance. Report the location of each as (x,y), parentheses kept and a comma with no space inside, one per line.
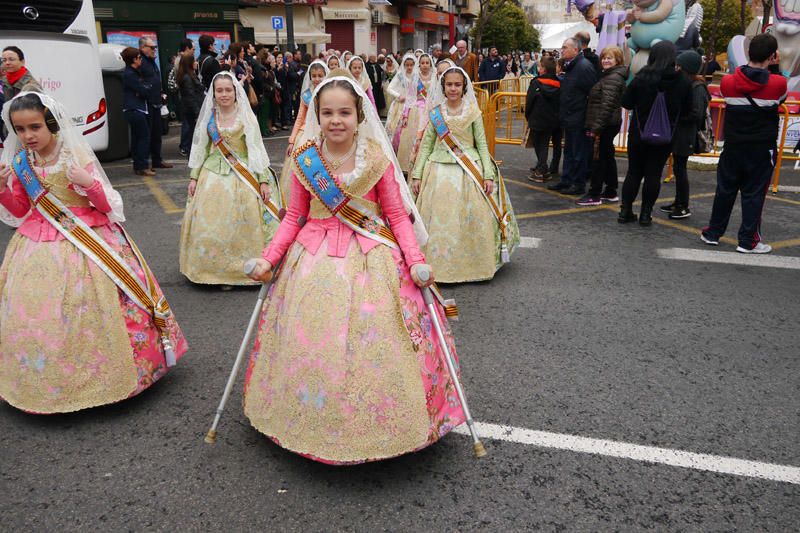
(69,338)
(224,225)
(464,243)
(346,367)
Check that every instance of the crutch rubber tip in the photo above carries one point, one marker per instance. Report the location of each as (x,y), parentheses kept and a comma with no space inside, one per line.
(480,451)
(211,437)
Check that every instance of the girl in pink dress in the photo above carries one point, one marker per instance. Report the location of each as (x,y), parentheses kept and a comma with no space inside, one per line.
(70,338)
(346,367)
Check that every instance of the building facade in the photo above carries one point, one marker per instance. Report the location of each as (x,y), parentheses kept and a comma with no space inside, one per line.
(167,22)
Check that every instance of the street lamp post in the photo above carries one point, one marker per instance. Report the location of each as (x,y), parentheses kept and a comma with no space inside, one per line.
(289,26)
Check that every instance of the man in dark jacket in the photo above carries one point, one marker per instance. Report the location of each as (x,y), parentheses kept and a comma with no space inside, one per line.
(207,63)
(579,78)
(541,111)
(752,98)
(376,77)
(493,67)
(584,39)
(152,76)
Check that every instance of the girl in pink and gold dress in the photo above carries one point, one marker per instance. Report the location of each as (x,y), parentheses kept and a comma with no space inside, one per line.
(346,367)
(70,338)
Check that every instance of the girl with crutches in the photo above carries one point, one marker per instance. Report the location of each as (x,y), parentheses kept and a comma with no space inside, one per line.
(347,366)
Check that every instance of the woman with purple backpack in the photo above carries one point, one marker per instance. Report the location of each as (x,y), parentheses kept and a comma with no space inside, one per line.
(659,96)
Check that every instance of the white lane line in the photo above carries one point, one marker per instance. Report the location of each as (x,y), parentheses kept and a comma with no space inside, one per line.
(730,258)
(529,242)
(637,452)
(789,188)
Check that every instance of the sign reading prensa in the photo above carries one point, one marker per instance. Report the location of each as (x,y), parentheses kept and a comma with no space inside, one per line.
(277,23)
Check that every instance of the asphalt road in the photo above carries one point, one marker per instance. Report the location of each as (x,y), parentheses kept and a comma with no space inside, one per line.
(591,334)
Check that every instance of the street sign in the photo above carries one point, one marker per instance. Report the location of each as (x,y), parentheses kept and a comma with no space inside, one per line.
(277,23)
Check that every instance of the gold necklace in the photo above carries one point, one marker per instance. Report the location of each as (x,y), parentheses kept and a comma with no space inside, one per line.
(333,161)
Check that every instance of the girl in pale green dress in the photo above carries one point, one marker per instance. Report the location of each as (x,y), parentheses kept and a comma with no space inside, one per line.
(464,205)
(226,221)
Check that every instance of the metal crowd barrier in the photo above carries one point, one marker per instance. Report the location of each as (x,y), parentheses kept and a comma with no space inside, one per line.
(505,123)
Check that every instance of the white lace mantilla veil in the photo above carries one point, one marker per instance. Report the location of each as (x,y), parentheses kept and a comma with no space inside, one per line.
(371,128)
(328,61)
(437,96)
(400,82)
(257,158)
(363,80)
(437,79)
(307,77)
(72,142)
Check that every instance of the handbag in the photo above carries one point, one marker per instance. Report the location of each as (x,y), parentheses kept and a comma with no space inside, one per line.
(251,95)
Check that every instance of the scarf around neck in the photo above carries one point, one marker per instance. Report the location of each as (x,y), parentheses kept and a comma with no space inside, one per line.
(14,77)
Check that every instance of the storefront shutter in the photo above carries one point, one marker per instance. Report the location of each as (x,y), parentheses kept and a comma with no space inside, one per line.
(342,35)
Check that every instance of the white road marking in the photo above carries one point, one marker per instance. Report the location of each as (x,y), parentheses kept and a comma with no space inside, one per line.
(789,188)
(529,242)
(730,258)
(637,452)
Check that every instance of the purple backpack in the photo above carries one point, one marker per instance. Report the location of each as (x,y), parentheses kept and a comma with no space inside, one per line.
(657,129)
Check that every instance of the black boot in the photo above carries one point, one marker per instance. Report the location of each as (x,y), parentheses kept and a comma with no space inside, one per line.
(626,214)
(646,216)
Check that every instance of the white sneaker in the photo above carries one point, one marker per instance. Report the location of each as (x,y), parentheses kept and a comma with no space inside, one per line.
(760,248)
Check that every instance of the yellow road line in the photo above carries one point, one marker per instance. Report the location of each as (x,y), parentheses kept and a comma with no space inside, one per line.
(557,212)
(142,183)
(785,244)
(780,199)
(162,197)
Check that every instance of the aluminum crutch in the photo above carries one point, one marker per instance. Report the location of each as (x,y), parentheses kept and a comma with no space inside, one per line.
(249,266)
(427,295)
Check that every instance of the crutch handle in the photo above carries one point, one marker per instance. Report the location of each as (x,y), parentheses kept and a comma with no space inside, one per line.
(424,274)
(250,266)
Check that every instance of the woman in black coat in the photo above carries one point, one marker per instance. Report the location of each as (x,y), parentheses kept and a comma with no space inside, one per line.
(191,90)
(603,121)
(647,157)
(684,144)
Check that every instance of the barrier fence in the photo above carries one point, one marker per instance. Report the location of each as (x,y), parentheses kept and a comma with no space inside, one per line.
(505,123)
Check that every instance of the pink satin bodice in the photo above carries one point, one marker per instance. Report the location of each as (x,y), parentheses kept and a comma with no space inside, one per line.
(386,193)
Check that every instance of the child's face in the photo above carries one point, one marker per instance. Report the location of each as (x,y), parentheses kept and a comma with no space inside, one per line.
(30,127)
(317,75)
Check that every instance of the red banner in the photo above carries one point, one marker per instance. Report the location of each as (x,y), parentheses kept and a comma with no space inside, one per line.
(406,25)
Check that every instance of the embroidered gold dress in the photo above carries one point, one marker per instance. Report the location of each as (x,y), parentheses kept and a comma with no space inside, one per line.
(406,155)
(346,367)
(464,242)
(69,338)
(225,223)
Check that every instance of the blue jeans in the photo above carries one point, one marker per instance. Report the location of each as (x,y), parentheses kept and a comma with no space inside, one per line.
(140,138)
(577,155)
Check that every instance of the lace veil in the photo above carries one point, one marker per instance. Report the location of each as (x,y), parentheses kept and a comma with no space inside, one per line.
(72,142)
(307,78)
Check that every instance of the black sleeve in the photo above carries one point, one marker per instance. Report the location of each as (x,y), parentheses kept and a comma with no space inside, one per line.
(629,96)
(530,98)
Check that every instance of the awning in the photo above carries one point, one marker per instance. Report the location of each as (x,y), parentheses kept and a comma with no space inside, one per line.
(335,13)
(307,25)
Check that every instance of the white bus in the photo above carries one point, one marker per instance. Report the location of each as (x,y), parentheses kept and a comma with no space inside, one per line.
(59,40)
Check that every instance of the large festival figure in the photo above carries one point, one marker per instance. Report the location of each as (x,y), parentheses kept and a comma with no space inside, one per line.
(402,87)
(316,72)
(346,367)
(460,192)
(231,211)
(83,321)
